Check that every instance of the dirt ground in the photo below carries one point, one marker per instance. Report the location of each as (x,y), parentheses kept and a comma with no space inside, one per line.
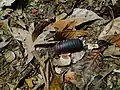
(60,45)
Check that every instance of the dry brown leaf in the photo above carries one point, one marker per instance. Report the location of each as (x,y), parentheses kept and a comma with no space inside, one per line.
(64,25)
(116,40)
(39,29)
(60,25)
(70,34)
(111,28)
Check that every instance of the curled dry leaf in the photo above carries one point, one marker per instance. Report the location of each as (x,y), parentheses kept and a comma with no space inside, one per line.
(70,34)
(64,60)
(58,70)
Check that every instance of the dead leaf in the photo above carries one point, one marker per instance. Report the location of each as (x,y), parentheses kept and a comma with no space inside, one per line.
(21,23)
(60,25)
(116,40)
(112,51)
(26,38)
(77,56)
(70,76)
(108,30)
(39,29)
(70,34)
(61,16)
(113,39)
(9,56)
(64,60)
(114,2)
(83,15)
(56,83)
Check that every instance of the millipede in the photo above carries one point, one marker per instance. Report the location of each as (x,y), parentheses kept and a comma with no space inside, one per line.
(68,46)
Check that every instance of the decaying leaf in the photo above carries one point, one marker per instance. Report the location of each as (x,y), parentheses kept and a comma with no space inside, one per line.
(70,34)
(116,40)
(56,83)
(3,44)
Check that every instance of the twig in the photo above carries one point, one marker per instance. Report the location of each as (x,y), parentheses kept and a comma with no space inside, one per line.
(48,75)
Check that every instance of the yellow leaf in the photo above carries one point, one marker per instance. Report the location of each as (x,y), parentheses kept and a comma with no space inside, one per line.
(29,82)
(56,83)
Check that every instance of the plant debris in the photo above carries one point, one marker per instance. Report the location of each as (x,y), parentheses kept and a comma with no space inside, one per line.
(59,44)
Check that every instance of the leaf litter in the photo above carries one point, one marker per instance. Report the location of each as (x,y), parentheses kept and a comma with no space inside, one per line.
(59,45)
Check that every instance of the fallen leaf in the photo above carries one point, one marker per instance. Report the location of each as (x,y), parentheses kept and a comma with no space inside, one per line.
(70,34)
(4,24)
(6,2)
(112,51)
(3,44)
(83,15)
(26,38)
(111,28)
(77,56)
(56,83)
(60,25)
(9,56)
(29,82)
(39,29)
(61,16)
(58,70)
(21,23)
(114,2)
(64,60)
(116,40)
(70,76)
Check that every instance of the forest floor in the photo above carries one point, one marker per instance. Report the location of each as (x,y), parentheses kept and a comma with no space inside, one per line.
(59,44)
